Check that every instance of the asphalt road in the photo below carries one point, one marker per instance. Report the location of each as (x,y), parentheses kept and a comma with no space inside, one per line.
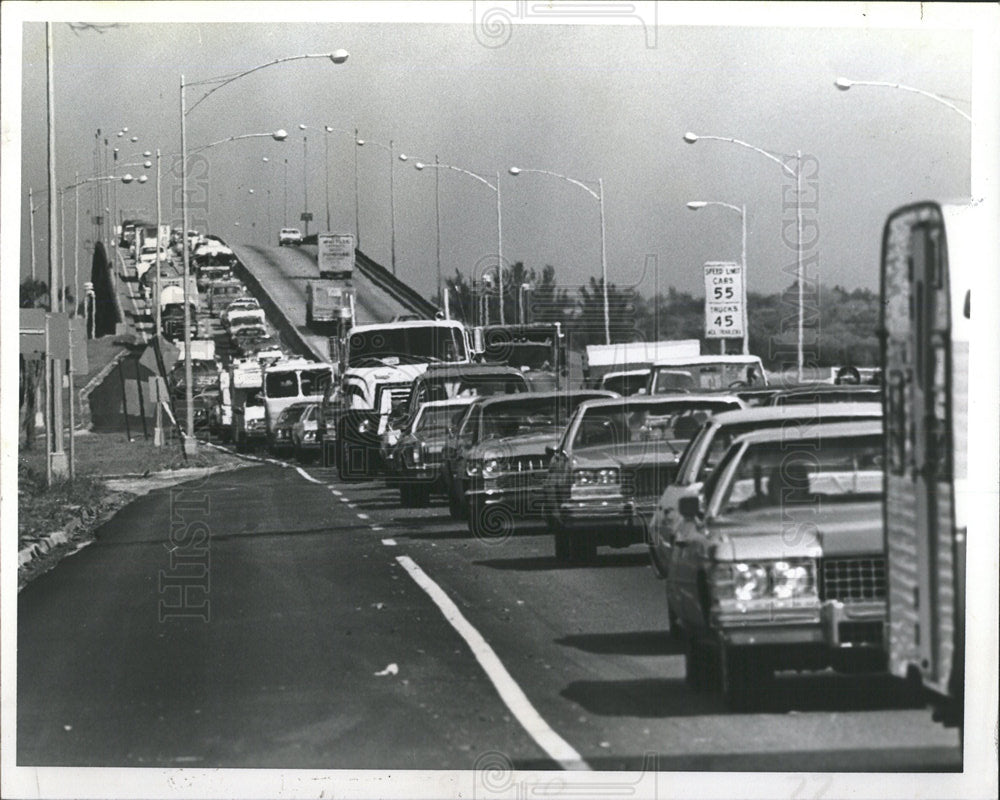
(308,606)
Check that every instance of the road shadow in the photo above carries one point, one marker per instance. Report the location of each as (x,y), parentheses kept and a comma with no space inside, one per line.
(538,563)
(631,643)
(642,697)
(798,693)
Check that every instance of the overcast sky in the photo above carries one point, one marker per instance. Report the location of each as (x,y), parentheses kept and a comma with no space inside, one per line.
(588,101)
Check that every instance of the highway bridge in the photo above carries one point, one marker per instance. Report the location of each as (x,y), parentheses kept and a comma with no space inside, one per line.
(278,276)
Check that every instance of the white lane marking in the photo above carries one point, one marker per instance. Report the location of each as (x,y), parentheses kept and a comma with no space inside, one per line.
(389,542)
(558,749)
(363,516)
(377,528)
(345,499)
(335,491)
(306,475)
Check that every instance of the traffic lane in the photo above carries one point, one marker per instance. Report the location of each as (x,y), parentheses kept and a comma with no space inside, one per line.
(305,606)
(285,270)
(589,647)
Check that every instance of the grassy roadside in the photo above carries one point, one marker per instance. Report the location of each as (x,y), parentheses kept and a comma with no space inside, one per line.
(85,503)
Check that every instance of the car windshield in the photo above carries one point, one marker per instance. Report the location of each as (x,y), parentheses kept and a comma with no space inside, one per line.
(533,355)
(606,426)
(626,384)
(694,377)
(872,395)
(406,345)
(530,415)
(468,386)
(781,473)
(315,381)
(291,414)
(244,319)
(439,418)
(282,384)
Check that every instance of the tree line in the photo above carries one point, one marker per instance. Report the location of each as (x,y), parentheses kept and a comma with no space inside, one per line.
(840,324)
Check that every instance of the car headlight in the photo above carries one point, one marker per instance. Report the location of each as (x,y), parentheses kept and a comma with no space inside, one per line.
(791,579)
(596,477)
(392,438)
(779,580)
(309,436)
(365,426)
(491,467)
(749,581)
(473,467)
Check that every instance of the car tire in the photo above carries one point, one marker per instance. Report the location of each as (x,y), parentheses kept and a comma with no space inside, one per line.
(675,631)
(456,508)
(742,677)
(583,549)
(697,666)
(561,543)
(421,496)
(406,496)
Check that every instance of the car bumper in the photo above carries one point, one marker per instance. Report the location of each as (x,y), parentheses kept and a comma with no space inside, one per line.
(830,627)
(527,500)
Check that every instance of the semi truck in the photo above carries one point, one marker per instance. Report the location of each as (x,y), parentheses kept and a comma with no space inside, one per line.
(539,350)
(601,359)
(377,366)
(929,255)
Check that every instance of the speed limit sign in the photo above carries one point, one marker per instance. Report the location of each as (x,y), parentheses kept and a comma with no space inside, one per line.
(723,300)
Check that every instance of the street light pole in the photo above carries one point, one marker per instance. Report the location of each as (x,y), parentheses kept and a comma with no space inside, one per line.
(31,231)
(337,57)
(599,197)
(305,182)
(59,466)
(357,213)
(156,278)
(190,445)
(437,227)
(496,188)
(691,138)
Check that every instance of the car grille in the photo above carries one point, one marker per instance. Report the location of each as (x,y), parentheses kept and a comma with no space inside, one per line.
(647,481)
(399,392)
(852,579)
(528,463)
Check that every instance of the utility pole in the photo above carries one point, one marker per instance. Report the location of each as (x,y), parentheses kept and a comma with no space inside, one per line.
(57,457)
(305,182)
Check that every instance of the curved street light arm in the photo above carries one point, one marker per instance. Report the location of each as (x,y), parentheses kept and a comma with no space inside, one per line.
(480,178)
(224,80)
(364,142)
(574,181)
(232,139)
(845,83)
(701,203)
(777,158)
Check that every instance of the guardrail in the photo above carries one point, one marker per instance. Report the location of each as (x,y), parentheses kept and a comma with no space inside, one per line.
(393,286)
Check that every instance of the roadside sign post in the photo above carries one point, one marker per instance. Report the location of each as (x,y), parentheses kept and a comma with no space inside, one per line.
(724,312)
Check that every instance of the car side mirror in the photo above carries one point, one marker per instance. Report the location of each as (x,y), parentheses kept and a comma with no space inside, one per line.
(689,507)
(551,450)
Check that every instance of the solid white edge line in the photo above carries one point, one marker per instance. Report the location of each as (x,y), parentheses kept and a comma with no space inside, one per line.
(306,475)
(558,749)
